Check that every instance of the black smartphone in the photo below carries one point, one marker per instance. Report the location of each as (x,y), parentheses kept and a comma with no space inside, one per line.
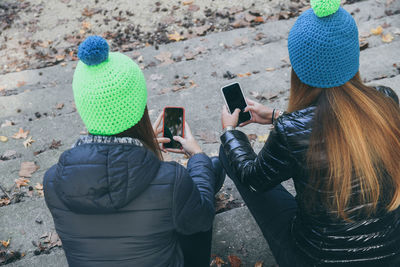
(173,125)
(234,99)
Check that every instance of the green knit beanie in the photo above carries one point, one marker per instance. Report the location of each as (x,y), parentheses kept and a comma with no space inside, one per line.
(109,89)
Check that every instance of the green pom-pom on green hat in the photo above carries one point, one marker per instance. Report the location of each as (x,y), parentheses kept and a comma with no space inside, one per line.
(323,8)
(110,95)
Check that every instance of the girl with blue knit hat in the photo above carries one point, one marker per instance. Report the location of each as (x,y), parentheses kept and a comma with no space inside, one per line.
(114,201)
(340,142)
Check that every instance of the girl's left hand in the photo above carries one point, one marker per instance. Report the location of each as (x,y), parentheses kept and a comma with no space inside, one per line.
(158,130)
(228,119)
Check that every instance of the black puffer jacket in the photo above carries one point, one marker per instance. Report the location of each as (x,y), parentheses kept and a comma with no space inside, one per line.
(320,237)
(115,204)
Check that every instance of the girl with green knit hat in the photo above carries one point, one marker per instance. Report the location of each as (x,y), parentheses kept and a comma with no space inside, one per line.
(113,200)
(340,143)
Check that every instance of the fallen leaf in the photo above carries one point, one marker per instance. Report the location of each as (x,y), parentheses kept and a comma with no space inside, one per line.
(27,168)
(2,88)
(164,57)
(189,55)
(4,201)
(60,106)
(193,8)
(201,30)
(186,3)
(234,261)
(86,25)
(252,137)
(38,186)
(21,83)
(21,182)
(270,69)
(377,31)
(175,37)
(259,264)
(363,44)
(5,243)
(28,142)
(21,134)
(60,57)
(247,74)
(217,261)
(3,138)
(262,138)
(10,154)
(192,84)
(387,38)
(55,144)
(259,19)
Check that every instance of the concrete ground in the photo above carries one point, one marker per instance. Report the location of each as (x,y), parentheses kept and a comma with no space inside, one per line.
(41,101)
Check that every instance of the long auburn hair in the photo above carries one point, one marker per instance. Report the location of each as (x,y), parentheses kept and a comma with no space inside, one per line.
(355,139)
(143,131)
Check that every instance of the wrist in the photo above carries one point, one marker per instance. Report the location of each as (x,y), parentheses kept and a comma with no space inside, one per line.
(197,151)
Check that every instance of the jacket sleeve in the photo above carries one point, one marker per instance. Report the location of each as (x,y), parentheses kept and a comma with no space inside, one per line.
(193,197)
(388,92)
(263,171)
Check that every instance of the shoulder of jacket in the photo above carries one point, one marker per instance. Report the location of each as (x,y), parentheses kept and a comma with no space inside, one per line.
(297,121)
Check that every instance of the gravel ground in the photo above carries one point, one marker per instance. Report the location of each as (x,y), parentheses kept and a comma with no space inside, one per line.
(36,34)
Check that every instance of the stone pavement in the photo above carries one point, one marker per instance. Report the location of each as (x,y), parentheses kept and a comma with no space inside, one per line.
(258,54)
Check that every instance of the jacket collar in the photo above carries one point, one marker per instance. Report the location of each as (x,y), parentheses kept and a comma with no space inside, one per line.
(100,139)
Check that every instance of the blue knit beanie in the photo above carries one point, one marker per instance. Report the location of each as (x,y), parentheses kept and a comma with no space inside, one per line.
(323,46)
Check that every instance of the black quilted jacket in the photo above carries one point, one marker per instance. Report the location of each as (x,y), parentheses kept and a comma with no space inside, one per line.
(320,237)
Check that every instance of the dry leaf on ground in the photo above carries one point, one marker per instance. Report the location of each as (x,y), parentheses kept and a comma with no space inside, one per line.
(186,3)
(234,261)
(21,83)
(387,38)
(21,182)
(3,138)
(164,58)
(377,31)
(60,106)
(175,37)
(259,264)
(262,138)
(39,186)
(270,69)
(21,134)
(28,142)
(217,261)
(5,243)
(247,74)
(252,137)
(4,201)
(27,168)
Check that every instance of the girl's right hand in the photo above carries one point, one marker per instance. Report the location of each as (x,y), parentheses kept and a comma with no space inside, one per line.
(189,144)
(259,113)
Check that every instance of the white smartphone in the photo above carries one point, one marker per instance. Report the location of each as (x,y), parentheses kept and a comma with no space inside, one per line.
(234,98)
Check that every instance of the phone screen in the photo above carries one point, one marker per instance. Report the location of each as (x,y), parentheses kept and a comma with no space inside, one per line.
(173,125)
(235,99)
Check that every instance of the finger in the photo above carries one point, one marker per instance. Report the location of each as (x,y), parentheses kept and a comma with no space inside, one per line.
(179,139)
(163,140)
(245,123)
(158,120)
(175,150)
(159,130)
(236,112)
(188,132)
(250,102)
(249,108)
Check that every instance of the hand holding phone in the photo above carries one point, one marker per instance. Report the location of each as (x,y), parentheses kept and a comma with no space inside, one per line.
(234,99)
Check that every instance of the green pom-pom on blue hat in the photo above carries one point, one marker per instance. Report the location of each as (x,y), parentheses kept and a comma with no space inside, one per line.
(323,8)
(109,88)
